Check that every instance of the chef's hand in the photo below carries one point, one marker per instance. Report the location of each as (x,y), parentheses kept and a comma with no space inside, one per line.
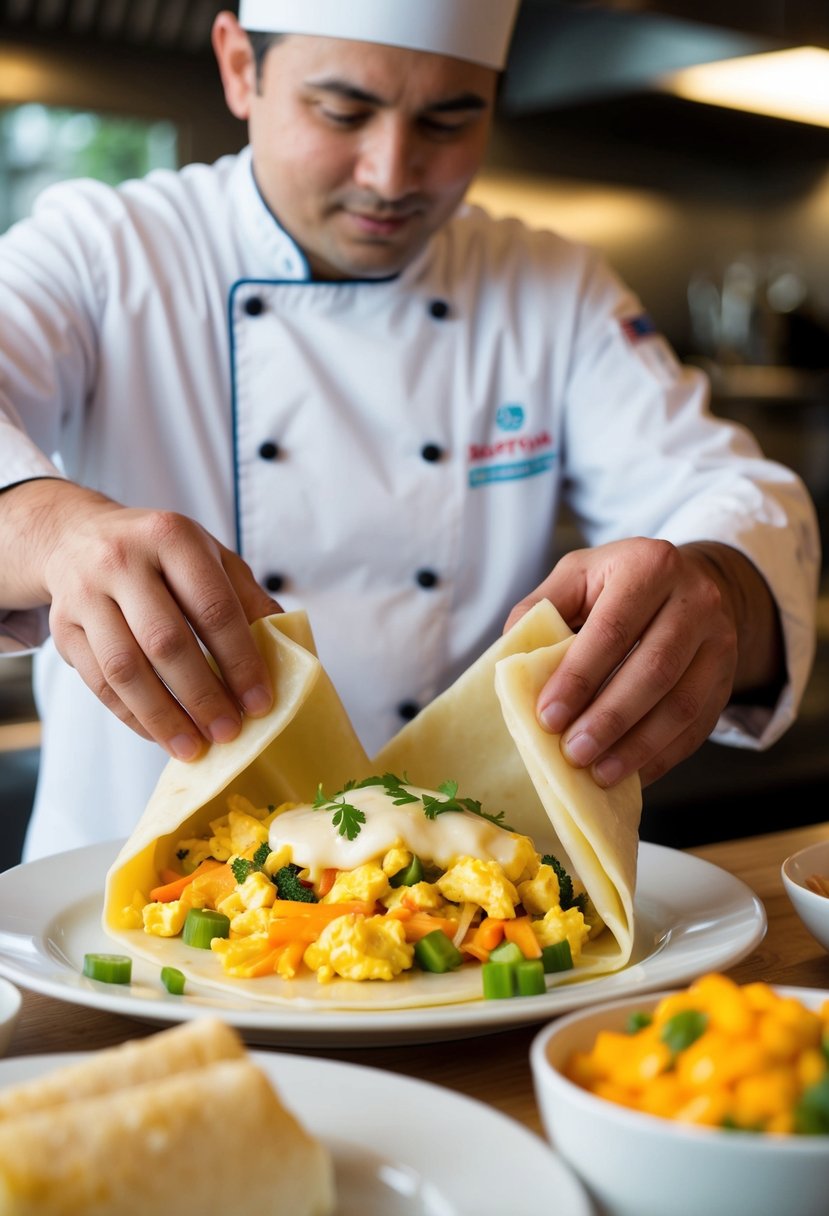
(667,637)
(132,592)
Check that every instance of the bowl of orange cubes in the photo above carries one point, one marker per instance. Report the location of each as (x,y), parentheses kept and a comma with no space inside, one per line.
(711,1099)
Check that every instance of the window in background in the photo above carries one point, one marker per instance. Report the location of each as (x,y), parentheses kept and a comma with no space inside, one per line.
(40,145)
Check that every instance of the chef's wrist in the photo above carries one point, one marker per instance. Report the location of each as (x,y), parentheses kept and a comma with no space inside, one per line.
(761,669)
(34,514)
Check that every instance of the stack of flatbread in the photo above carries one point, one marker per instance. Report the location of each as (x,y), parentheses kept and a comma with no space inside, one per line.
(182,1121)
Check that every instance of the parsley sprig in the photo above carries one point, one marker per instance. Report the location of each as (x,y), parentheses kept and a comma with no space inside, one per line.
(349,818)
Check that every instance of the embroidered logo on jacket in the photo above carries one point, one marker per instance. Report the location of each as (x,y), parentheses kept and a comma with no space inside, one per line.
(513,458)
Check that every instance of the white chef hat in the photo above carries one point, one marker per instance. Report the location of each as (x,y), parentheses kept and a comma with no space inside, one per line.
(478,30)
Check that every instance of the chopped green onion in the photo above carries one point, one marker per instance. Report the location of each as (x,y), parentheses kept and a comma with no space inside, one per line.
(436,952)
(529,977)
(498,981)
(505,953)
(108,968)
(173,980)
(558,957)
(638,1021)
(202,925)
(811,1116)
(683,1029)
(409,875)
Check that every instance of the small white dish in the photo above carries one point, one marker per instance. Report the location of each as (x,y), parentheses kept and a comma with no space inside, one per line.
(636,1164)
(10,1002)
(812,908)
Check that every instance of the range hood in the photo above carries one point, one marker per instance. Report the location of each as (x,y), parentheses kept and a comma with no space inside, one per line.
(567,53)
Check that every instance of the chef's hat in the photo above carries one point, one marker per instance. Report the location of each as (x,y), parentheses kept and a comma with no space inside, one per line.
(478,30)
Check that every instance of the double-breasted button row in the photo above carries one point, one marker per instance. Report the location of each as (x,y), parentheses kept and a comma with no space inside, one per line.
(439,310)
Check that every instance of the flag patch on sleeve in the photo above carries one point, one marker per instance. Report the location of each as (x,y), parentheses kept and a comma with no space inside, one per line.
(637,328)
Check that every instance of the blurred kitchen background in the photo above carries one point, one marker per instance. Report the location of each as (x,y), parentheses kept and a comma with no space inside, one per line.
(688,139)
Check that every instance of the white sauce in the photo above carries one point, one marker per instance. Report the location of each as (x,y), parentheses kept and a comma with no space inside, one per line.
(315,841)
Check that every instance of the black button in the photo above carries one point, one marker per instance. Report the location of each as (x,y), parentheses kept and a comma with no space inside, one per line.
(431,452)
(426,578)
(275,582)
(408,710)
(254,306)
(269,450)
(439,309)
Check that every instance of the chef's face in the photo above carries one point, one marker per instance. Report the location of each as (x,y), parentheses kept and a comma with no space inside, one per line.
(361,151)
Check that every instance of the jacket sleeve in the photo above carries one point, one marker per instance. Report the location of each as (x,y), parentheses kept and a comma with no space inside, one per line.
(645,457)
(48,352)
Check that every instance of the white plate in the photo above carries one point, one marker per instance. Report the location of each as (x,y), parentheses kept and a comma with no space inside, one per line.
(691,917)
(446,1155)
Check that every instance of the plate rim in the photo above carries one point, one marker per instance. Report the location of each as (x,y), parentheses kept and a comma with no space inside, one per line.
(290,1027)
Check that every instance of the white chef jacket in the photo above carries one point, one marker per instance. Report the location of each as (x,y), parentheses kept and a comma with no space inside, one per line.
(390,455)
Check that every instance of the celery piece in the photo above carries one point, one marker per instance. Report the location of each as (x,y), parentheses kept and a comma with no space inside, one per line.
(202,925)
(505,953)
(108,968)
(498,980)
(529,977)
(173,980)
(558,957)
(409,875)
(435,952)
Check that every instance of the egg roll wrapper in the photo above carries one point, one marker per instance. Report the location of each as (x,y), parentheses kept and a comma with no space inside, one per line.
(461,736)
(192,1045)
(211,1140)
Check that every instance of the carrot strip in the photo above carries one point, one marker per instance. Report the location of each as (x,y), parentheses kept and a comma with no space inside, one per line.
(284,932)
(520,932)
(285,908)
(327,880)
(290,959)
(421,923)
(215,884)
(173,890)
(484,938)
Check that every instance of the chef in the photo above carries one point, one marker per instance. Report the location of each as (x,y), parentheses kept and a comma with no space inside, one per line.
(309,375)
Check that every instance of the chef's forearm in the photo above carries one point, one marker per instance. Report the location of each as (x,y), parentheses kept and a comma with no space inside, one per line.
(761,656)
(33,514)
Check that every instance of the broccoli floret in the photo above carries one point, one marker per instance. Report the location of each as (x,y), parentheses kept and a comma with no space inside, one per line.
(566,898)
(261,854)
(242,868)
(288,885)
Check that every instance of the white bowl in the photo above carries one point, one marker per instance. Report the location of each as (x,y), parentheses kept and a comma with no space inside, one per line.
(10,1002)
(813,909)
(635,1164)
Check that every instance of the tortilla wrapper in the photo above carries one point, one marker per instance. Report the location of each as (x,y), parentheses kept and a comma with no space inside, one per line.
(599,829)
(461,736)
(192,1045)
(306,739)
(204,1142)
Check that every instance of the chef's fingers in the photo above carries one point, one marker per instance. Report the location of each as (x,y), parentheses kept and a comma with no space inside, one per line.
(112,665)
(255,602)
(197,598)
(611,595)
(634,725)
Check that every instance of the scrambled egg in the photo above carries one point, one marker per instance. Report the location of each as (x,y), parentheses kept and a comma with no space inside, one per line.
(480,882)
(558,925)
(540,894)
(367,882)
(360,948)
